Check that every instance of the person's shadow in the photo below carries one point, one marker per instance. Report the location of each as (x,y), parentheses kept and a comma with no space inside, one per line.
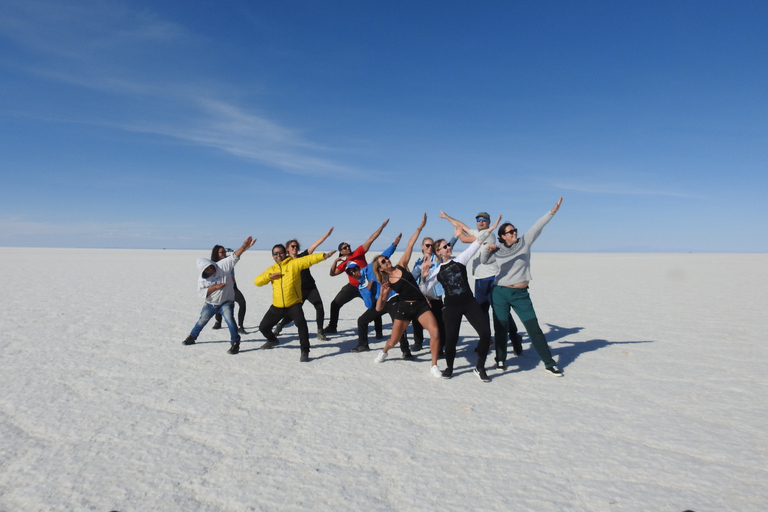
(566,352)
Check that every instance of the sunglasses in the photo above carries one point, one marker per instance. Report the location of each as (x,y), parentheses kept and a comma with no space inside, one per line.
(446,246)
(345,247)
(279,253)
(509,232)
(293,246)
(427,245)
(482,219)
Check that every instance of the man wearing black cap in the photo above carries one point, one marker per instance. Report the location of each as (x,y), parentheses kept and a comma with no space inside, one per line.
(349,291)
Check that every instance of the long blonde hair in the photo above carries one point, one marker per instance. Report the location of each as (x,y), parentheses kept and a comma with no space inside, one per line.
(376,270)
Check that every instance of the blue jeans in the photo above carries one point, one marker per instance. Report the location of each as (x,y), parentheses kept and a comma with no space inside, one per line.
(225,310)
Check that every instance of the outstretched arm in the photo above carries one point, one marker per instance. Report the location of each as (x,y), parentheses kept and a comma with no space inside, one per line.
(557,206)
(409,248)
(319,241)
(374,236)
(461,230)
(246,245)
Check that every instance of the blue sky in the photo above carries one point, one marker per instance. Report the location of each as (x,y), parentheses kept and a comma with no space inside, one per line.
(137,124)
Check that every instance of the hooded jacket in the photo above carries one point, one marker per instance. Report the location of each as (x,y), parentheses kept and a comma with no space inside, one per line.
(286,290)
(223,273)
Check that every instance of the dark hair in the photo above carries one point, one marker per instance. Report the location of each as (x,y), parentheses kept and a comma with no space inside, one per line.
(278,245)
(502,229)
(215,252)
(292,240)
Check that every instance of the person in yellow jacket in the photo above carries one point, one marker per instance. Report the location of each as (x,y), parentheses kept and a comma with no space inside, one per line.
(285,276)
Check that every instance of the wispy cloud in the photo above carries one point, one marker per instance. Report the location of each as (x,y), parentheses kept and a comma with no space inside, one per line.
(107,47)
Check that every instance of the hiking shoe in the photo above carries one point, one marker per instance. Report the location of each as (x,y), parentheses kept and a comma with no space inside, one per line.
(304,356)
(501,366)
(321,336)
(517,344)
(189,341)
(553,370)
(407,356)
(480,372)
(447,373)
(276,329)
(361,348)
(435,371)
(241,330)
(416,347)
(381,357)
(330,330)
(270,344)
(234,349)
(217,325)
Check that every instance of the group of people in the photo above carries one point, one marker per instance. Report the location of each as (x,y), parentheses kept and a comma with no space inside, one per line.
(434,294)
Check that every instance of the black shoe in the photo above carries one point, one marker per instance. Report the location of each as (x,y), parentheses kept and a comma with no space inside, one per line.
(304,356)
(217,325)
(270,344)
(517,344)
(330,330)
(416,347)
(448,373)
(234,349)
(361,348)
(501,366)
(554,371)
(321,336)
(480,372)
(407,356)
(241,330)
(189,341)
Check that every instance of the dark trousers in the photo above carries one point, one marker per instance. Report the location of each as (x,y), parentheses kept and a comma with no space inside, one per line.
(484,297)
(371,315)
(295,313)
(436,306)
(347,294)
(477,318)
(313,297)
(240,300)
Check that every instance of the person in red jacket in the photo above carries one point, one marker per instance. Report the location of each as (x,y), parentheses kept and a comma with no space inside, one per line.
(349,291)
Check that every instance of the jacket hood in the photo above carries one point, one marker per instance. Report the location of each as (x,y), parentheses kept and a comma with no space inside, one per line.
(202,264)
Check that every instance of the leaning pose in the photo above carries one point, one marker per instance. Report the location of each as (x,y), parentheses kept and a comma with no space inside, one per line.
(412,304)
(460,301)
(309,291)
(215,285)
(286,295)
(510,289)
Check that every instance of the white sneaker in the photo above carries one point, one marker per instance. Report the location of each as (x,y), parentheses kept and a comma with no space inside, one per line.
(381,357)
(435,371)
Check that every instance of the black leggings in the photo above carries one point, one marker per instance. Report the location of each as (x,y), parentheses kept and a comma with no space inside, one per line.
(373,315)
(295,313)
(347,294)
(240,299)
(313,297)
(477,319)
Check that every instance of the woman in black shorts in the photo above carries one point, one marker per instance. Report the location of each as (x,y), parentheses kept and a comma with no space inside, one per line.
(412,305)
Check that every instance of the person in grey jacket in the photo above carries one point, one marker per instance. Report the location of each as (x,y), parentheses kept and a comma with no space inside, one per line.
(510,287)
(216,286)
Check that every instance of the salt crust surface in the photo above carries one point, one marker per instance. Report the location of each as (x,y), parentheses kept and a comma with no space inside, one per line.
(662,407)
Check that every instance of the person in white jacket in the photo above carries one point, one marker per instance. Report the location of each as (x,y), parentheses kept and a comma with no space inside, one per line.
(216,286)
